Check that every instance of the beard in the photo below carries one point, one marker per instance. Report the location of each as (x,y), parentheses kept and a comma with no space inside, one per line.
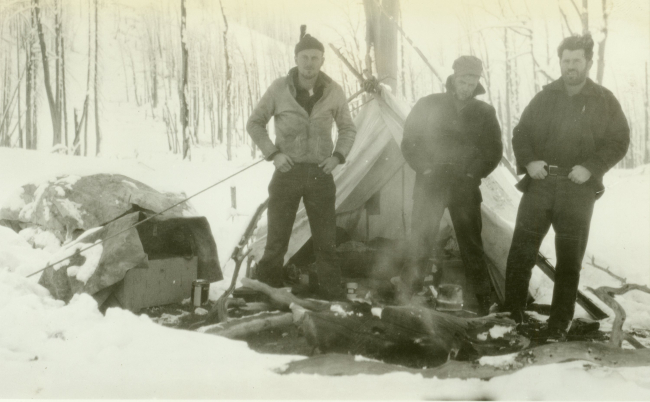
(574,77)
(463,95)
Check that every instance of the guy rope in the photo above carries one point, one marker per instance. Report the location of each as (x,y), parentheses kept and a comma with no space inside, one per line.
(79,251)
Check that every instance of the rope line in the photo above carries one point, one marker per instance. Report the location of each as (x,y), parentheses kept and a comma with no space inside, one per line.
(79,251)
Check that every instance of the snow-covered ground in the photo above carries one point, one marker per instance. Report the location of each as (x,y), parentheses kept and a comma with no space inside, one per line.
(52,350)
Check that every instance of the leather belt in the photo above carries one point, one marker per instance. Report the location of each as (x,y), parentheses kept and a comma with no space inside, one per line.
(557,171)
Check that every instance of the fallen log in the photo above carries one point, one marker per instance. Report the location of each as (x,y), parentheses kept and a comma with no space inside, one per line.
(243,327)
(412,336)
(595,353)
(285,298)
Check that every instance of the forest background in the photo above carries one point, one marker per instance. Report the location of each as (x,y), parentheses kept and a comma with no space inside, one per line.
(136,79)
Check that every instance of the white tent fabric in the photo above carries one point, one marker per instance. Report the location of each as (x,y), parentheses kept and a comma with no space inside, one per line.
(376,167)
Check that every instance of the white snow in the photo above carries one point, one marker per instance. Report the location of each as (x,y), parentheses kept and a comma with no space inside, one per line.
(502,361)
(45,343)
(40,238)
(498,331)
(85,271)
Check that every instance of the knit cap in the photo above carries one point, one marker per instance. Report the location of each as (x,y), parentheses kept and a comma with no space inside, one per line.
(308,42)
(468,65)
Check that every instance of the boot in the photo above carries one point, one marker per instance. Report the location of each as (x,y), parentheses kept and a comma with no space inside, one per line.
(327,278)
(271,276)
(484,304)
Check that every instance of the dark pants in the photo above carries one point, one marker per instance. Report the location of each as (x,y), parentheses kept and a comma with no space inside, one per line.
(317,190)
(567,206)
(463,199)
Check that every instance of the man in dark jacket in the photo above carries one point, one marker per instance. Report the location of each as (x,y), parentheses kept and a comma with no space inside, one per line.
(452,141)
(570,134)
(304,105)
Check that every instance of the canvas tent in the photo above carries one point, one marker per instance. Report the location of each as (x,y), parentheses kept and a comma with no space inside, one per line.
(377,177)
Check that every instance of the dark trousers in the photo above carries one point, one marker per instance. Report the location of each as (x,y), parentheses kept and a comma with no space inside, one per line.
(304,181)
(463,199)
(567,206)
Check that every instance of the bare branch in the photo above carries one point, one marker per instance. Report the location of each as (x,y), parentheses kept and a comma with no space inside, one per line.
(600,267)
(606,294)
(575,6)
(566,20)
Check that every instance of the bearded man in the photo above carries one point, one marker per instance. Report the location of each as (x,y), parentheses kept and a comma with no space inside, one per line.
(570,134)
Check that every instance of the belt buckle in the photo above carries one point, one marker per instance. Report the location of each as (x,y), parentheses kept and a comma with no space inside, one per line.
(552,170)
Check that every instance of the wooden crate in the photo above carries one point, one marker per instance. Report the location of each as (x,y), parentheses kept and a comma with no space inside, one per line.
(166,281)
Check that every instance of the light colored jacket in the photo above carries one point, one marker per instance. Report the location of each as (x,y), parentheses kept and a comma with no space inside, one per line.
(303,137)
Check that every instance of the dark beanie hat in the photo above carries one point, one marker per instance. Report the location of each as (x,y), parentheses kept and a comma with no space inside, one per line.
(468,65)
(308,42)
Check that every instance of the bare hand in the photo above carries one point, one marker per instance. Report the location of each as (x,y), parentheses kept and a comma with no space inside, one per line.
(579,174)
(282,162)
(536,170)
(329,164)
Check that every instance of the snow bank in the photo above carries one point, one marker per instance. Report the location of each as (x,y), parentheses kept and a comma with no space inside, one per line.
(52,350)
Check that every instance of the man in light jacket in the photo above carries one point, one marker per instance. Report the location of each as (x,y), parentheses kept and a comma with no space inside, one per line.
(304,105)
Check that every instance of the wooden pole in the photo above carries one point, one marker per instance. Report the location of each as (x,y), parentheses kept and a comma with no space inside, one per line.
(414,46)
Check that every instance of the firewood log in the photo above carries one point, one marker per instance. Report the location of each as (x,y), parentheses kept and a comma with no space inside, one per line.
(243,327)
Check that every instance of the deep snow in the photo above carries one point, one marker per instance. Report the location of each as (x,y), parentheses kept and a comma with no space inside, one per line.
(52,350)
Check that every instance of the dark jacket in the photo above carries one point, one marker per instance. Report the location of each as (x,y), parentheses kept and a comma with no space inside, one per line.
(305,137)
(452,144)
(604,130)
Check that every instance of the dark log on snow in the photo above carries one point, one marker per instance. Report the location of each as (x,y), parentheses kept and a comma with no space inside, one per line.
(412,336)
(243,327)
(595,353)
(284,297)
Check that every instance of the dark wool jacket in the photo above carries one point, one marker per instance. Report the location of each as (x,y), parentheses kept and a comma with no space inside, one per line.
(605,132)
(452,144)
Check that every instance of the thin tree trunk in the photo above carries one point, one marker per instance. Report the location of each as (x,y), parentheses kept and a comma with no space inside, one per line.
(135,81)
(228,87)
(183,94)
(220,116)
(601,44)
(508,120)
(584,16)
(57,64)
(29,60)
(4,131)
(98,135)
(154,77)
(85,112)
(65,99)
(20,128)
(54,112)
(646,144)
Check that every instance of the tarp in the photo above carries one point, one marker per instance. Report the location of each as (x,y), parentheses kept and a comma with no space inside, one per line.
(107,263)
(69,203)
